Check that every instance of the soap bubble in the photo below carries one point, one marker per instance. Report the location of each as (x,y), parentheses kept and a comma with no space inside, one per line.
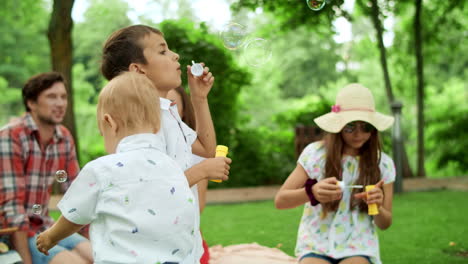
(233,35)
(257,52)
(316,5)
(61,176)
(37,209)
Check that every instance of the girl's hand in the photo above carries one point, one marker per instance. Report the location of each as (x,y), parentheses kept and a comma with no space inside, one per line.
(200,86)
(327,190)
(374,196)
(44,243)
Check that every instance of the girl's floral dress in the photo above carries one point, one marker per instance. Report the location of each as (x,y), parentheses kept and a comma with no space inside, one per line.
(345,232)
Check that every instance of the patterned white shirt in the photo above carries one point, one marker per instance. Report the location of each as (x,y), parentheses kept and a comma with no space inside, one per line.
(179,139)
(346,232)
(138,202)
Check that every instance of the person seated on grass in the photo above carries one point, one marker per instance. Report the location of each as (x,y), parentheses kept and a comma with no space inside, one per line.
(32,149)
(136,199)
(335,225)
(7,255)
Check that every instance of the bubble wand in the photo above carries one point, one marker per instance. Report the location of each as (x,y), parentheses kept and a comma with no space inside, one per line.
(343,185)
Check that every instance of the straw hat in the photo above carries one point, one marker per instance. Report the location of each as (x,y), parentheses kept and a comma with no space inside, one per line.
(353,103)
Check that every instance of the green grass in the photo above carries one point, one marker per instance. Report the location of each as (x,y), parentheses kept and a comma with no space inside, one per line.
(424,223)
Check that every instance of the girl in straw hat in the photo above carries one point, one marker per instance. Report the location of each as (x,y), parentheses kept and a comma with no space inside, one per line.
(335,225)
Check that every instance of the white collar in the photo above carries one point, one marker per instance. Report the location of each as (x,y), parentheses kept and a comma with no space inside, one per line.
(143,140)
(165,103)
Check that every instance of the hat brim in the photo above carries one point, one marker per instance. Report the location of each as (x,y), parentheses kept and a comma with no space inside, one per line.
(334,122)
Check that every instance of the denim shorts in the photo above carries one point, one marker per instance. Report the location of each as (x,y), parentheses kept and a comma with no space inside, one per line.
(68,243)
(330,259)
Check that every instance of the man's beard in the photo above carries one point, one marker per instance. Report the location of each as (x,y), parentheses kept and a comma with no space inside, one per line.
(47,120)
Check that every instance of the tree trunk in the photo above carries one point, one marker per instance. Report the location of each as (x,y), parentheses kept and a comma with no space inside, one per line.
(61,46)
(420,86)
(375,13)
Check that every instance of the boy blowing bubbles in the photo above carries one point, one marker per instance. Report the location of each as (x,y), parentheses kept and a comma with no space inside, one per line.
(143,49)
(137,200)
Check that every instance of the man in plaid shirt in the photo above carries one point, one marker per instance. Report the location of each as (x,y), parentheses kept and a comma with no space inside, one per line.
(32,149)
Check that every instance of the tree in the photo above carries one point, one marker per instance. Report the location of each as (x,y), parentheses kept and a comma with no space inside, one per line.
(61,46)
(375,14)
(420,85)
(291,15)
(375,17)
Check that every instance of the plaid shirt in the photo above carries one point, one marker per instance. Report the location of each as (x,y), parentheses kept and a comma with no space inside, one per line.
(29,172)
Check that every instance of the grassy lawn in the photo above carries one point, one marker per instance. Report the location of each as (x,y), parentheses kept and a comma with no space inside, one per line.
(424,223)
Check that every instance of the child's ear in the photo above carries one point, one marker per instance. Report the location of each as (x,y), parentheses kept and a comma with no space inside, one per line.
(135,67)
(111,123)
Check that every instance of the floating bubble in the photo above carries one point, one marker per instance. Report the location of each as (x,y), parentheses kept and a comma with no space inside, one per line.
(257,52)
(37,209)
(316,5)
(233,35)
(61,176)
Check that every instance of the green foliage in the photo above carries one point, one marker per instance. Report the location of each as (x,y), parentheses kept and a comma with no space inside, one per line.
(11,102)
(24,46)
(445,76)
(265,155)
(91,143)
(24,51)
(303,112)
(194,42)
(89,36)
(447,126)
(293,14)
(261,156)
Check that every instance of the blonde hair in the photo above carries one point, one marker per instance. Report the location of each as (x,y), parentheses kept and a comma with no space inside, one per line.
(132,101)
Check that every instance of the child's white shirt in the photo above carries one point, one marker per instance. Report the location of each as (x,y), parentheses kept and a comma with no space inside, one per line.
(346,232)
(138,202)
(179,139)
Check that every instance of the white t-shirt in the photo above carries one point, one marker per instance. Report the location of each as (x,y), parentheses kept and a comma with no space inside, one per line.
(179,139)
(138,202)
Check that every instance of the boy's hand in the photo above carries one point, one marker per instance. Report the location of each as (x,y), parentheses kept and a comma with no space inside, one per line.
(200,86)
(216,168)
(44,243)
(327,190)
(374,196)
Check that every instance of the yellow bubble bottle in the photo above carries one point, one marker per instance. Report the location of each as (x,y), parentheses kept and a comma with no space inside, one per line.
(221,151)
(372,208)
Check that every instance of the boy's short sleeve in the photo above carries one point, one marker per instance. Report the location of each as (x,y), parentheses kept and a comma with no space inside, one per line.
(312,159)
(79,202)
(387,169)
